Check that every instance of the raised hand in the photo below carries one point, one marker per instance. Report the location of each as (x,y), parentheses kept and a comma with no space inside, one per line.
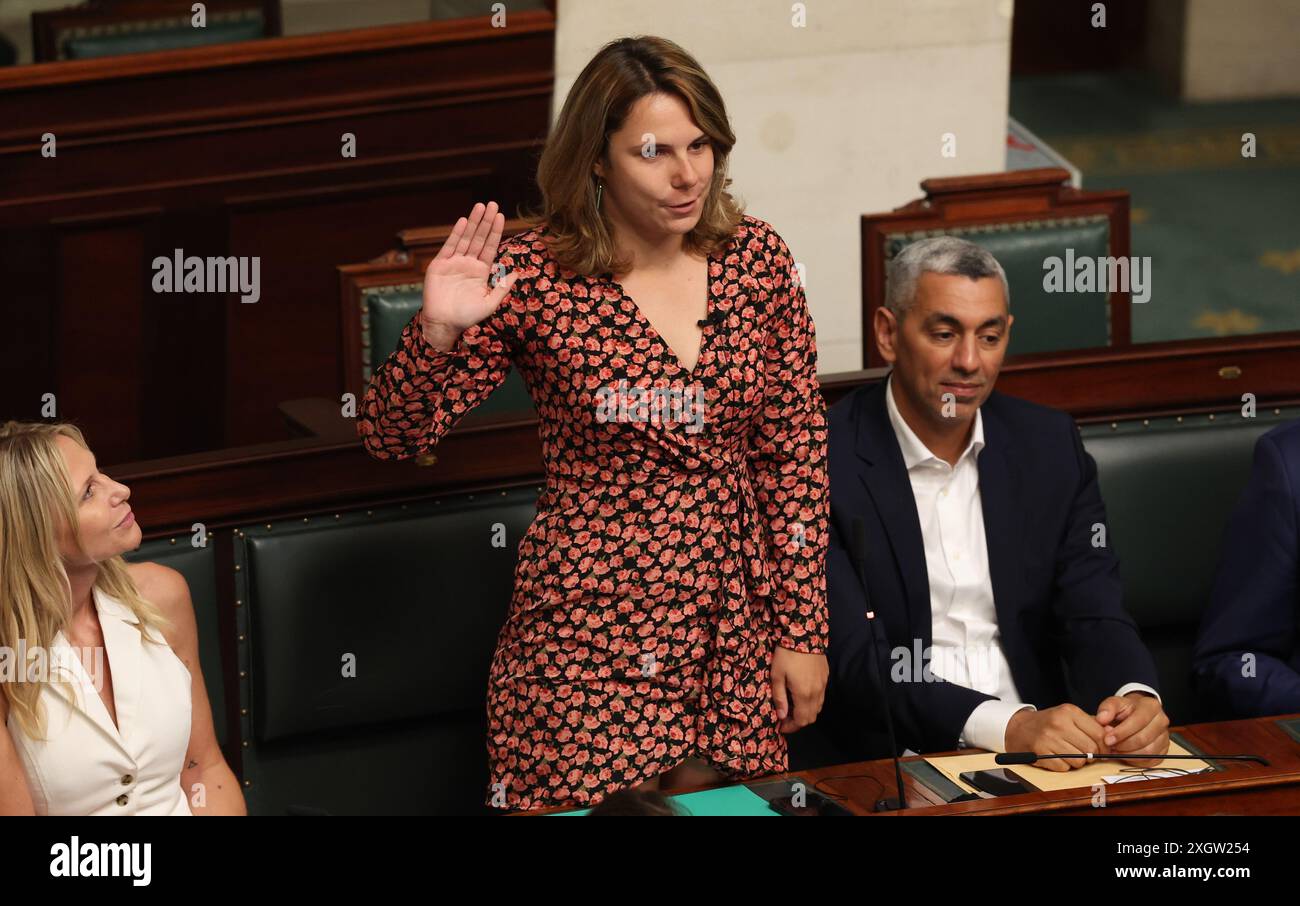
(456,290)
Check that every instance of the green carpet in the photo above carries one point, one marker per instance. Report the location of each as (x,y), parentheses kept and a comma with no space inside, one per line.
(1222,231)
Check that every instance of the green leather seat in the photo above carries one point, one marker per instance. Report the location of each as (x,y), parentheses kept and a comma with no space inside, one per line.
(136,40)
(1044,321)
(385,311)
(199,567)
(416,595)
(1169,488)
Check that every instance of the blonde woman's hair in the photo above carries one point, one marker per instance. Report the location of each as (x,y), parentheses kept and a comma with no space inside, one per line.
(621,73)
(36,498)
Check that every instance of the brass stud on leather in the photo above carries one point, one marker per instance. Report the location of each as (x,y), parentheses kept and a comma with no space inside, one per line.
(245,743)
(239,602)
(305,520)
(336,516)
(237,567)
(1179,419)
(243,712)
(173,541)
(1114,427)
(369,513)
(1211,416)
(268,526)
(1146,423)
(243,674)
(247,784)
(241,637)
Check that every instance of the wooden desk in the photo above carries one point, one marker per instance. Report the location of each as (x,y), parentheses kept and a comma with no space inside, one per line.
(1241,788)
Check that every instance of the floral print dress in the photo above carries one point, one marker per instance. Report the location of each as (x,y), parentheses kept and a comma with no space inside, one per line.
(682,531)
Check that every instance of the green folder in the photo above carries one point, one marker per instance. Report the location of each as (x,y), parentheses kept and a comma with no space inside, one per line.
(727,800)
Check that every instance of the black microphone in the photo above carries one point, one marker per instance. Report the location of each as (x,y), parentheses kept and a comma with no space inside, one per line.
(1031,757)
(859,553)
(714,317)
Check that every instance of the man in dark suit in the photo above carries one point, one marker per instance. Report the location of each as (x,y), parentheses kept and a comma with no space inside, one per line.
(1247,657)
(996,593)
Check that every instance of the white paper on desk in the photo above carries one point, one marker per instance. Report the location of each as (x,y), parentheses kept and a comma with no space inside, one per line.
(952,766)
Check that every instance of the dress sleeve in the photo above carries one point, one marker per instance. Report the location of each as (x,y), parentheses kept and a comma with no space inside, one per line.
(421,392)
(788,459)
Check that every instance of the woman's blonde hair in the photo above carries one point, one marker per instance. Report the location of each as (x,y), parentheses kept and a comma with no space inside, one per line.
(621,73)
(36,499)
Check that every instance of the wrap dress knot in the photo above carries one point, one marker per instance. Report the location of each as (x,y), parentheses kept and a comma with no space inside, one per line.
(732,543)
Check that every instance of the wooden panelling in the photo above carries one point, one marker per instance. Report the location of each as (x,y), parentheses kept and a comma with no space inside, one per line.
(237,150)
(492,452)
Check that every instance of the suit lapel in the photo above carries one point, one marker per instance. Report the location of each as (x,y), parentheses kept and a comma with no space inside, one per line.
(122,657)
(890,489)
(123,644)
(1002,506)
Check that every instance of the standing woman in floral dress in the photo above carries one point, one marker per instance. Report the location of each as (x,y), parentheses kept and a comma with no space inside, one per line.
(668,622)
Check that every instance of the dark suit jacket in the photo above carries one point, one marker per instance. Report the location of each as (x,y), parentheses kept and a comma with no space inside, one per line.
(1255,604)
(1063,627)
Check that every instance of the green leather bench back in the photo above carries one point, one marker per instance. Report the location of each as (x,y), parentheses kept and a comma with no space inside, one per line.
(133,39)
(385,311)
(199,567)
(1169,487)
(412,598)
(1044,321)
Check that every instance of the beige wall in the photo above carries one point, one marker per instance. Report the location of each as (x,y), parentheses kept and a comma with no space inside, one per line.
(837,119)
(1241,50)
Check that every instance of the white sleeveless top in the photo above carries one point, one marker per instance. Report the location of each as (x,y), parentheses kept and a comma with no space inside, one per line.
(88,766)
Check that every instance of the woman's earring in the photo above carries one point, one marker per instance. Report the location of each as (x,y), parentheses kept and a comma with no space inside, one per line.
(600,190)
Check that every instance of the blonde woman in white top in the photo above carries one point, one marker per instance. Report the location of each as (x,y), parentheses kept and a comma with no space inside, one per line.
(103,700)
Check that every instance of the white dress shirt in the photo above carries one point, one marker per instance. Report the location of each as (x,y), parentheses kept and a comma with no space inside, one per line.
(966,646)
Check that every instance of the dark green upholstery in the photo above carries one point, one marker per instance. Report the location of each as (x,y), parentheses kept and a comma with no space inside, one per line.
(1044,321)
(1169,488)
(417,595)
(199,567)
(141,41)
(385,311)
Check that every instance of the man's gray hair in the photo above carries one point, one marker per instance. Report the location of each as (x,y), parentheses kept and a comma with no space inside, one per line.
(938,255)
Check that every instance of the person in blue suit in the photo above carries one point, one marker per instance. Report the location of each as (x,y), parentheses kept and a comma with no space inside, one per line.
(996,594)
(1247,657)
